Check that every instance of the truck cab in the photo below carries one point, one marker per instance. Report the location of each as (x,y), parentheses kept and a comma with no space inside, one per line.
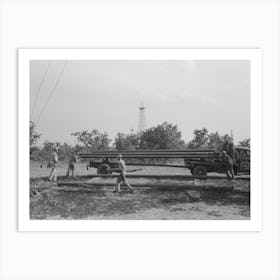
(199,167)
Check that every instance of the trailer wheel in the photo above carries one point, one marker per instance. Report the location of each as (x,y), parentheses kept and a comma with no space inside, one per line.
(199,171)
(104,169)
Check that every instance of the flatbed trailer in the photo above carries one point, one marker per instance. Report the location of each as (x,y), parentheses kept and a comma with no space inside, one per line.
(198,161)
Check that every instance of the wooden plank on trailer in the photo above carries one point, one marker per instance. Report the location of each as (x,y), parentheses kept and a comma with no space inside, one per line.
(152,156)
(147,151)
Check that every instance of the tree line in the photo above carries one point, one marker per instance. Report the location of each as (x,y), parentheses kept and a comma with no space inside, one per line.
(163,136)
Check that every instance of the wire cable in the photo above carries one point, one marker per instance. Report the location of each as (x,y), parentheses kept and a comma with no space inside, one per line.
(39,89)
(53,90)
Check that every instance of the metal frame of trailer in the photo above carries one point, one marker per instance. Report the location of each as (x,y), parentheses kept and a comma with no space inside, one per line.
(199,161)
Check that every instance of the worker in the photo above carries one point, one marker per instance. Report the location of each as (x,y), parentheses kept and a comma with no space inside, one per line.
(54,161)
(227,163)
(121,178)
(229,148)
(225,146)
(71,166)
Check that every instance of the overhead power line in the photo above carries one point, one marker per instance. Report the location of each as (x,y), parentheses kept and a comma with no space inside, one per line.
(39,89)
(53,91)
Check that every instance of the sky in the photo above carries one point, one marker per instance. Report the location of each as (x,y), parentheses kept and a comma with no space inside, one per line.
(72,96)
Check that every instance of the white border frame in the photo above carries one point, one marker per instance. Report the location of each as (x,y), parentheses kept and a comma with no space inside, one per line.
(255,222)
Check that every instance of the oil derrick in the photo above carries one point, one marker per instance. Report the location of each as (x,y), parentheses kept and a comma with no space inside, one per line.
(141,120)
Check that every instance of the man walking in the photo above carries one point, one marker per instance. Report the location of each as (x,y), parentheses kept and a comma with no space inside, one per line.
(121,178)
(54,160)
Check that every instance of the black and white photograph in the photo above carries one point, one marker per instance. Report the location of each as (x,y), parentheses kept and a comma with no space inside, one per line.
(139,139)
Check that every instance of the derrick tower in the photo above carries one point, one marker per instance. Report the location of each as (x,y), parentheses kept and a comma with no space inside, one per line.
(141,120)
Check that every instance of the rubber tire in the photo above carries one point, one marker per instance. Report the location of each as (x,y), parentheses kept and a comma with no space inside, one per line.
(104,169)
(236,156)
(242,164)
(199,171)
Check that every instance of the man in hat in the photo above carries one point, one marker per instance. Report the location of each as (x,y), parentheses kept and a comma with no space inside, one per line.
(71,165)
(54,160)
(228,165)
(122,179)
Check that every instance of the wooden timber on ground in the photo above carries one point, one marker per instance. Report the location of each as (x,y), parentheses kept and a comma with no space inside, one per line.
(170,186)
(93,187)
(148,176)
(164,177)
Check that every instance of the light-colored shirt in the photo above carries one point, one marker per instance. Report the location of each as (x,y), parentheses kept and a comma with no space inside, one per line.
(122,166)
(72,161)
(55,157)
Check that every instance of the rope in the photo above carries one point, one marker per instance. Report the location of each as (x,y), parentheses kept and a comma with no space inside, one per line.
(39,88)
(53,91)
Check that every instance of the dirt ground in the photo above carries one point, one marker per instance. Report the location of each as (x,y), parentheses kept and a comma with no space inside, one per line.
(50,202)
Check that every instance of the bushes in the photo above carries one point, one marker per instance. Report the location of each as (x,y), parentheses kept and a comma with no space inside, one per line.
(163,136)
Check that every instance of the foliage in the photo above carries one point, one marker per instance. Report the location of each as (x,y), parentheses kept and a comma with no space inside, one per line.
(34,136)
(200,139)
(34,153)
(245,143)
(214,140)
(65,151)
(92,140)
(127,141)
(204,140)
(163,136)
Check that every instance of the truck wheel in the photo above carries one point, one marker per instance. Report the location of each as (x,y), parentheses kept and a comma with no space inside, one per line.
(199,171)
(104,169)
(236,156)
(244,166)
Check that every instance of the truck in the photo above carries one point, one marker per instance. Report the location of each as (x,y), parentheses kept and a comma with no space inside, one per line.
(199,167)
(199,161)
